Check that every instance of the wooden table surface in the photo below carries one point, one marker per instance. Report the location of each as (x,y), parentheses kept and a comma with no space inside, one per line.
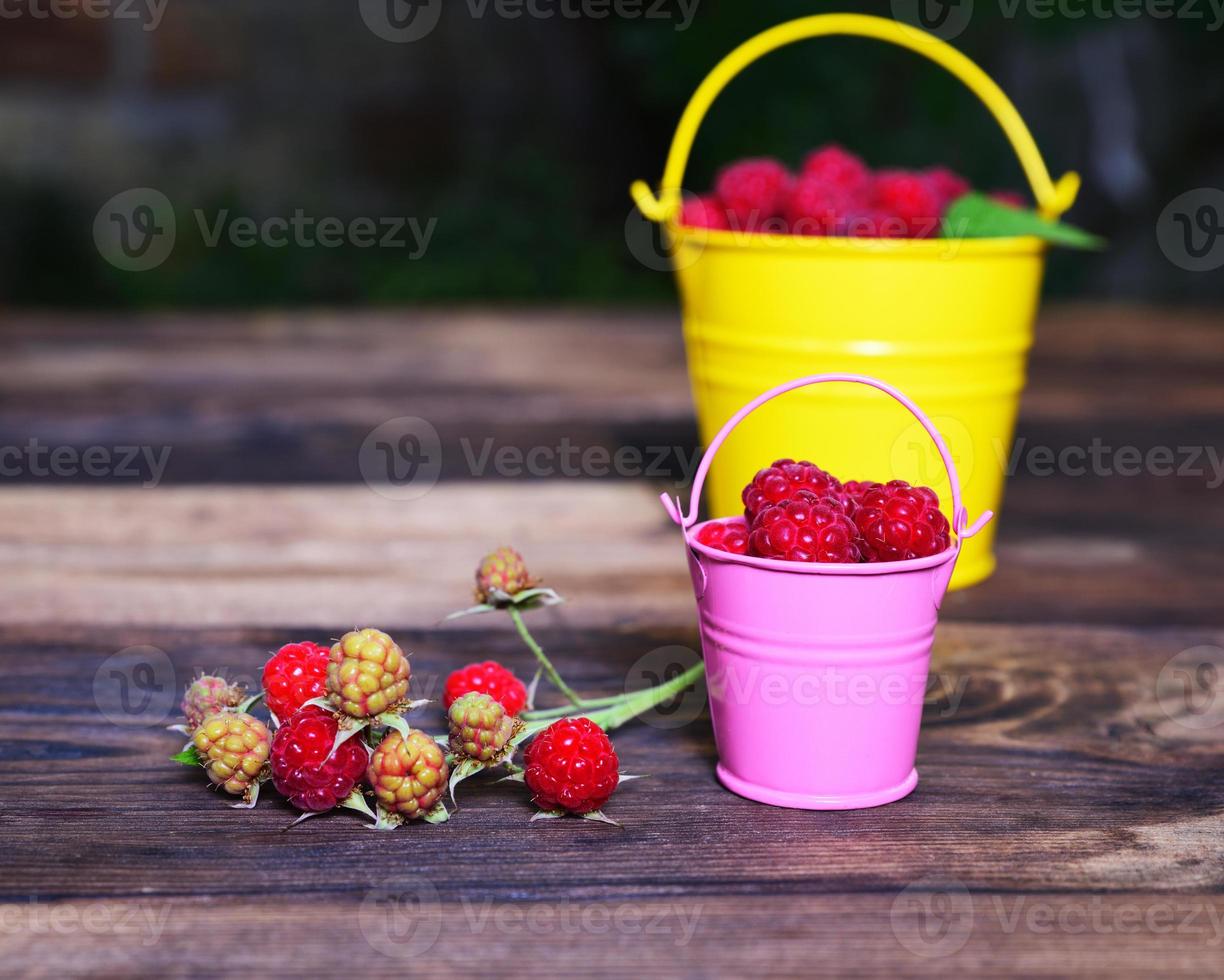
(1069,814)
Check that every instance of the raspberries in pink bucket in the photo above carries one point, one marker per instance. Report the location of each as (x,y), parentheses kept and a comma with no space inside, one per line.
(796,511)
(834,194)
(782,480)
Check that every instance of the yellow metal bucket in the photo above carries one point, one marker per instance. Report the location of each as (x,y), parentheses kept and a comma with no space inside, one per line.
(948,320)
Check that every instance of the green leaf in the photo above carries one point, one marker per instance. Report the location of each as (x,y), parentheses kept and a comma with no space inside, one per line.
(465,769)
(471,611)
(600,817)
(531,598)
(978,216)
(188,757)
(438,814)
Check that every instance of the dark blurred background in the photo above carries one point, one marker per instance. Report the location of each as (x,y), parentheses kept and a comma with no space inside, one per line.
(520,136)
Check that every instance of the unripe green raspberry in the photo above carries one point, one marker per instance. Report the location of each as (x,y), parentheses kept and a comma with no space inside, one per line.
(206,695)
(501,571)
(479,727)
(409,775)
(234,748)
(367,674)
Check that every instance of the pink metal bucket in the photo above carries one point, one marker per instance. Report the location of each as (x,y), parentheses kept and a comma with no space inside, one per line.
(817,673)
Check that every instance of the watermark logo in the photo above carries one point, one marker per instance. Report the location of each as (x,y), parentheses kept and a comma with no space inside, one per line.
(649,242)
(1190,230)
(660,666)
(402,921)
(402,458)
(945,19)
(135,230)
(933,917)
(401,21)
(136,686)
(405,21)
(835,686)
(570,460)
(1190,688)
(914,452)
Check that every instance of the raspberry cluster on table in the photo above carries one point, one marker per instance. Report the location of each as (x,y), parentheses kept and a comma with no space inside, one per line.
(337,731)
(834,194)
(796,511)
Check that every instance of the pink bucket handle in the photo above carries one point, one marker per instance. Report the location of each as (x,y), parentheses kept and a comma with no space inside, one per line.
(960,520)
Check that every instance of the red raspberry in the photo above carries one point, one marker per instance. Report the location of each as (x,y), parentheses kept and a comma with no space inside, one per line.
(911,198)
(488,677)
(853,490)
(571,765)
(947,185)
(816,207)
(781,480)
(806,528)
(725,537)
(838,168)
(704,212)
(305,771)
(753,190)
(898,522)
(295,674)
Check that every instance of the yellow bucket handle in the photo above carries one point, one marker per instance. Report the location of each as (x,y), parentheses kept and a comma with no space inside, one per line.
(1052,198)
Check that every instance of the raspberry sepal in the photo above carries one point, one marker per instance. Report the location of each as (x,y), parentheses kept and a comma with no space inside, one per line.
(533,598)
(383,818)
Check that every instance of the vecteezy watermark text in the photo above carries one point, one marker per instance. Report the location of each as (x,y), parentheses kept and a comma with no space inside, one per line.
(34,459)
(1103,460)
(149,12)
(405,921)
(403,21)
(145,921)
(401,459)
(137,230)
(948,19)
(935,917)
(568,459)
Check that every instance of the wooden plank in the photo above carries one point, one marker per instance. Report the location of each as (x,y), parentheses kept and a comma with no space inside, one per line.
(1143,934)
(328,557)
(1053,758)
(288,398)
(332,557)
(272,398)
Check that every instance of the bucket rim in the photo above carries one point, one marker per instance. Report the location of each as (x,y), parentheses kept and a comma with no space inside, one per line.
(947,248)
(816,568)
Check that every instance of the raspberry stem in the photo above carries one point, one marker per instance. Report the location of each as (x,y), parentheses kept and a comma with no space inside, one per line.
(632,705)
(567,709)
(619,710)
(549,670)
